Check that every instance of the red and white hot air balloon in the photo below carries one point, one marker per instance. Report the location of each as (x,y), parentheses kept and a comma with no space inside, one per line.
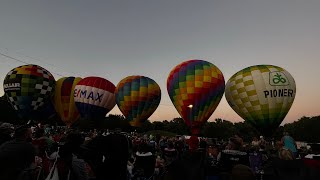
(94,97)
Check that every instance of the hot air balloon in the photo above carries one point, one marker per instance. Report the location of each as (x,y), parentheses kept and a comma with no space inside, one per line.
(262,95)
(137,98)
(28,88)
(94,97)
(64,100)
(195,88)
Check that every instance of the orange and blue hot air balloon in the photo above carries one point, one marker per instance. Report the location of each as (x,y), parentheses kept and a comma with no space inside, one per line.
(64,100)
(137,98)
(94,97)
(195,88)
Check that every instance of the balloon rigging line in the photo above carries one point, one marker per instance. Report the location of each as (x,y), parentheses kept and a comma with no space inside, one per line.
(24,62)
(44,62)
(36,59)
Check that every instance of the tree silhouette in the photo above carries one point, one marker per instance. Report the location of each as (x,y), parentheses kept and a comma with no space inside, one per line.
(304,129)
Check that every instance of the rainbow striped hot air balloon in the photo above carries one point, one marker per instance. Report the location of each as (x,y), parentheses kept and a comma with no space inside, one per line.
(262,95)
(28,88)
(94,97)
(137,97)
(195,88)
(64,100)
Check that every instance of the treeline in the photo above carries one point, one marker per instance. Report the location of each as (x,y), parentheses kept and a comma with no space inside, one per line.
(305,129)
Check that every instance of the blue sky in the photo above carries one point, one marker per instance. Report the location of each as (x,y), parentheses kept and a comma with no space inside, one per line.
(117,38)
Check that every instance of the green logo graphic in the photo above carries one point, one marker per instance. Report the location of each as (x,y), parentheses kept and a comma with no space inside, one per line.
(278,79)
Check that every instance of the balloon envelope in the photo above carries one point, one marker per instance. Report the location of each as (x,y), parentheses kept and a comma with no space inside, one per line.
(47,111)
(28,88)
(195,88)
(137,98)
(94,97)
(262,95)
(64,100)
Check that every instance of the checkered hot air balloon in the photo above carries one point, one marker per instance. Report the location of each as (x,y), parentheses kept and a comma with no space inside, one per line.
(64,100)
(195,88)
(262,95)
(28,88)
(137,98)
(94,97)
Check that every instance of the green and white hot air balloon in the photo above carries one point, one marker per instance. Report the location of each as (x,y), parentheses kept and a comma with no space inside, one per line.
(262,95)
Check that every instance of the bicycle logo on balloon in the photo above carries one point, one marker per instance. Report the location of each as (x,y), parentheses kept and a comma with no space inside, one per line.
(278,79)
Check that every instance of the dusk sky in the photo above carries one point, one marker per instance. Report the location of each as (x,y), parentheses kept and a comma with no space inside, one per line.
(117,38)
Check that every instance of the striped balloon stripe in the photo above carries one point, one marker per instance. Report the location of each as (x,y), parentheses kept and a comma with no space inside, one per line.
(94,97)
(64,100)
(98,82)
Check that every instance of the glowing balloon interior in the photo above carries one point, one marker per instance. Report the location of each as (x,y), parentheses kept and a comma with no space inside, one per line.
(195,88)
(262,95)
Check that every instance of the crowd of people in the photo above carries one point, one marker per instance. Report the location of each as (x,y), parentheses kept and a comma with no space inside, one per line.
(43,153)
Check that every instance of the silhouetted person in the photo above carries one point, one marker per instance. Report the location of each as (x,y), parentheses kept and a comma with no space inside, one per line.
(5,133)
(170,153)
(71,155)
(42,145)
(232,156)
(17,155)
(111,154)
(192,163)
(145,161)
